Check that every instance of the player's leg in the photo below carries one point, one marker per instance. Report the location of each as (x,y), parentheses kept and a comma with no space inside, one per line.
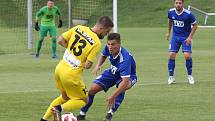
(75,89)
(102,82)
(53,34)
(43,34)
(95,88)
(119,99)
(59,100)
(174,47)
(187,50)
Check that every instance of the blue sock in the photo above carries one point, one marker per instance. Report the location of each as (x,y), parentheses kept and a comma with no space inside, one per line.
(89,103)
(189,65)
(118,101)
(171,67)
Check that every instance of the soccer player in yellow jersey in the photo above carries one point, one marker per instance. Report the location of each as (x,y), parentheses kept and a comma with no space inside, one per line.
(82,44)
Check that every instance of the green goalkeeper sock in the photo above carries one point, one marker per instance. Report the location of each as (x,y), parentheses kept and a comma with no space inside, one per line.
(39,45)
(54,46)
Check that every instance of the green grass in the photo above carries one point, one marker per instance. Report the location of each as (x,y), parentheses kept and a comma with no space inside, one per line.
(131,13)
(27,84)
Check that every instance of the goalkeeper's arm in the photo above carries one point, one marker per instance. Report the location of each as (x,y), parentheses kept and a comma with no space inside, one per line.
(60,24)
(38,15)
(37,28)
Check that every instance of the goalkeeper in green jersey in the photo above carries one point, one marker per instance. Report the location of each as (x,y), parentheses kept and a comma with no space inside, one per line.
(46,16)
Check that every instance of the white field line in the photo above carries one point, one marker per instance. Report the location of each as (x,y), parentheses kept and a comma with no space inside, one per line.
(53,90)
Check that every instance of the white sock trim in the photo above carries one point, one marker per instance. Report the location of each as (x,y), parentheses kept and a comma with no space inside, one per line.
(61,108)
(110,111)
(82,113)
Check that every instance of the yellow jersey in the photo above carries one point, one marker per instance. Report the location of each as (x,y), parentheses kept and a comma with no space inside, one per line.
(83,44)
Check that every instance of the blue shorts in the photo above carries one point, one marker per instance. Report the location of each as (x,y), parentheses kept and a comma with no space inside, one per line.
(176,43)
(107,80)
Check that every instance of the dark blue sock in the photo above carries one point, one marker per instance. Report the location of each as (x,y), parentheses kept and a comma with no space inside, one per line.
(89,103)
(189,65)
(118,101)
(171,67)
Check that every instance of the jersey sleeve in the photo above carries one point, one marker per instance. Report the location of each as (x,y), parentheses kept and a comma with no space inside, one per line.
(192,18)
(105,51)
(125,68)
(67,35)
(39,14)
(58,11)
(96,49)
(168,14)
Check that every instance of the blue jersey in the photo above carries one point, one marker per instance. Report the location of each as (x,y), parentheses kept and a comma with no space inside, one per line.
(123,65)
(181,22)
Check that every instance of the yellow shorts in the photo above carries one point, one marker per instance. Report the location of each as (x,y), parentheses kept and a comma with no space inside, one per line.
(70,81)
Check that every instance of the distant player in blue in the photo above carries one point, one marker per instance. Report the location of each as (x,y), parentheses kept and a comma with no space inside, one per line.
(184,26)
(122,73)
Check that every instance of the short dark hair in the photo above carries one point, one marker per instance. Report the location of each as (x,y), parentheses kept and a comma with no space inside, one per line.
(105,21)
(114,36)
(181,0)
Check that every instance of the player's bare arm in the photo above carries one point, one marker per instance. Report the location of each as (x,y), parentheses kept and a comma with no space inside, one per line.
(124,85)
(88,64)
(169,29)
(62,42)
(99,64)
(190,37)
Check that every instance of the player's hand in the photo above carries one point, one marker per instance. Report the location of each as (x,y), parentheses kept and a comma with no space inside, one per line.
(110,102)
(96,70)
(167,36)
(37,28)
(60,24)
(188,41)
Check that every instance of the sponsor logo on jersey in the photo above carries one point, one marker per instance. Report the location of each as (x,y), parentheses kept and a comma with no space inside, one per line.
(178,23)
(85,35)
(113,69)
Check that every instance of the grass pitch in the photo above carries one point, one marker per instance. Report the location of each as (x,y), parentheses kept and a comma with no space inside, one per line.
(27,84)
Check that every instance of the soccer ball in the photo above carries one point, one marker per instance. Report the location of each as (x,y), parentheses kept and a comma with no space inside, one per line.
(68,117)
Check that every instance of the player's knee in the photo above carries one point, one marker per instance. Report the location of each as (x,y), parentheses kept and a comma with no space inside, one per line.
(187,56)
(129,85)
(94,89)
(172,56)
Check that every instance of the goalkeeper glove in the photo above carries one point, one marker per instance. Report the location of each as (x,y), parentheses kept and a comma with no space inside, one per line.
(37,28)
(60,24)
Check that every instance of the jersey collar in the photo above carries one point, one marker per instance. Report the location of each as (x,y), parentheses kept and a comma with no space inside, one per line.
(117,54)
(179,13)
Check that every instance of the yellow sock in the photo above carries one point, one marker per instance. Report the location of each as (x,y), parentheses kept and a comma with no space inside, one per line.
(73,104)
(58,101)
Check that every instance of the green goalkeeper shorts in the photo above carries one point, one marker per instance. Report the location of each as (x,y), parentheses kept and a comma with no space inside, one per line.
(45,29)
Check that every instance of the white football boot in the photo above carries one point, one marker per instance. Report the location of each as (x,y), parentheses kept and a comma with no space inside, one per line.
(171,80)
(190,79)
